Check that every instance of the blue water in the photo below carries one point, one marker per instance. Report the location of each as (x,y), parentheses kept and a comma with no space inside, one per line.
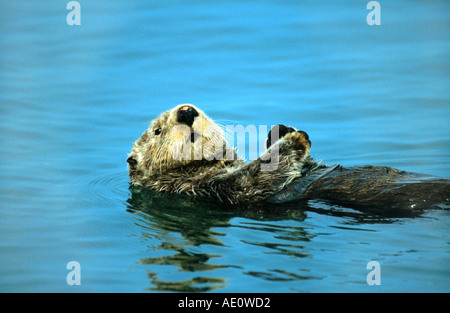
(73,99)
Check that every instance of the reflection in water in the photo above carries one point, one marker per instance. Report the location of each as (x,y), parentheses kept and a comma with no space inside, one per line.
(164,216)
(191,285)
(197,237)
(280,275)
(181,224)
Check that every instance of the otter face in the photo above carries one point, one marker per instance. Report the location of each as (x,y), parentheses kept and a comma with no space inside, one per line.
(176,138)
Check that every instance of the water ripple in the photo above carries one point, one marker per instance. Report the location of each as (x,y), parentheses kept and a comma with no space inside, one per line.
(105,188)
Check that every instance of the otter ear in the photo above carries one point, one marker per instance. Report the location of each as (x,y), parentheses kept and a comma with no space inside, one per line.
(277,132)
(131,161)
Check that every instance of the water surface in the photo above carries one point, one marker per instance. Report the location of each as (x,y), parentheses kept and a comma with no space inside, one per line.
(73,99)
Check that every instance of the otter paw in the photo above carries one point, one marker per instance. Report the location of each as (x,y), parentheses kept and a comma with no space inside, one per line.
(276,133)
(300,139)
(282,131)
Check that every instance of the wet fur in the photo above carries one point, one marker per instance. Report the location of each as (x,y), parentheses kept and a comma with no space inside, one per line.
(230,180)
(297,176)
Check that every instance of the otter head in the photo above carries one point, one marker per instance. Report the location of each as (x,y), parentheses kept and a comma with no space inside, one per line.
(179,137)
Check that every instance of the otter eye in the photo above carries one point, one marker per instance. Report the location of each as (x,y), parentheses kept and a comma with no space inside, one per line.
(158,131)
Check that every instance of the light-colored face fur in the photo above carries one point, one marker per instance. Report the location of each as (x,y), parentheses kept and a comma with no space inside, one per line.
(168,144)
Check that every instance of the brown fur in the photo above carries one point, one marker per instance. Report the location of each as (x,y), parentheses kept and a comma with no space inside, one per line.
(220,174)
(229,180)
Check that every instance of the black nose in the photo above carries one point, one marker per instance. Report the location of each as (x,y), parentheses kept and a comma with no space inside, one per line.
(131,161)
(186,115)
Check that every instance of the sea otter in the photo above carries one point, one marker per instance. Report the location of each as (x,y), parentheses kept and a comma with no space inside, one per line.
(184,151)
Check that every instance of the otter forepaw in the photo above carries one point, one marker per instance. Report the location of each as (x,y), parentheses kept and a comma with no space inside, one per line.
(290,133)
(276,133)
(300,139)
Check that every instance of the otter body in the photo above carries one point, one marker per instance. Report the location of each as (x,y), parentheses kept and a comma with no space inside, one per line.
(374,188)
(184,151)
